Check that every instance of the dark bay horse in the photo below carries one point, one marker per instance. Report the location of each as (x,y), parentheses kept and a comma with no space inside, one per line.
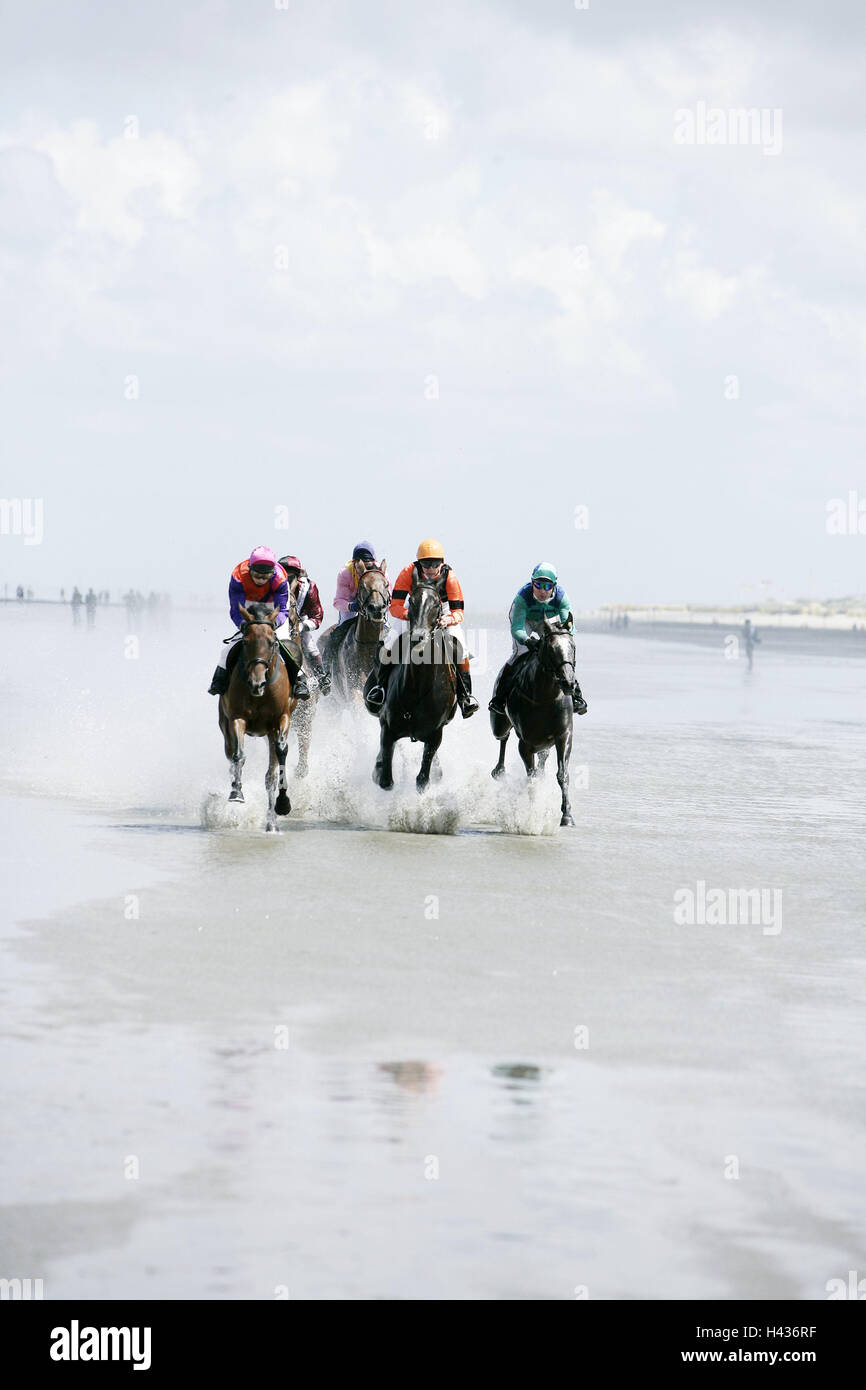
(259,702)
(350,648)
(420,697)
(540,707)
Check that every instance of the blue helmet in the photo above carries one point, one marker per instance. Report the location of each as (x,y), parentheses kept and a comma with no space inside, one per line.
(364,551)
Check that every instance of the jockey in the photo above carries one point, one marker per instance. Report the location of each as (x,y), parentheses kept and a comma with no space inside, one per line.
(345,599)
(259,578)
(543,597)
(430,568)
(309,608)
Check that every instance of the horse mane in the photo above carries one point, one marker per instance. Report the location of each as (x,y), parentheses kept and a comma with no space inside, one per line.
(263,612)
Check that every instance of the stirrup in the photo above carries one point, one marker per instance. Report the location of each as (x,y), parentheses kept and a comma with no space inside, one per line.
(324,679)
(376,697)
(300,689)
(497,706)
(468,706)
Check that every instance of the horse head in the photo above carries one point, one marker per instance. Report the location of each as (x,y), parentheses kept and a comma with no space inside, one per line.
(557,652)
(258,645)
(374,595)
(425,610)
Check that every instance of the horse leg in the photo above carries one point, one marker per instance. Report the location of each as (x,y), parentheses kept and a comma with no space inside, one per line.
(283,804)
(563,754)
(271,780)
(235,752)
(528,757)
(383,771)
(303,732)
(430,748)
(500,766)
(542,759)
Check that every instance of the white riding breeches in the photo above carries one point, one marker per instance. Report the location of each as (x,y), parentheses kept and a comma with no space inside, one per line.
(310,644)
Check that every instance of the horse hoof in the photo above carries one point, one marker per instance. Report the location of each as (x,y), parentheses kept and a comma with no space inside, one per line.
(283,805)
(421,786)
(236,796)
(498,772)
(567,820)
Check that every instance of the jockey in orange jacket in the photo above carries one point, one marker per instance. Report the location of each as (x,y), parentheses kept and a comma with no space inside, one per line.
(430,568)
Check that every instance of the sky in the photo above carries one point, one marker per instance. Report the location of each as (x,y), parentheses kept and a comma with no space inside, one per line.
(302,274)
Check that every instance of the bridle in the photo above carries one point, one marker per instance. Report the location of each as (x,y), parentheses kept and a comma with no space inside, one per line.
(269,661)
(544,648)
(416,636)
(364,606)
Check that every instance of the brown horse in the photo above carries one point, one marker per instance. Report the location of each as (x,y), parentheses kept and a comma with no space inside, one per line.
(259,702)
(350,648)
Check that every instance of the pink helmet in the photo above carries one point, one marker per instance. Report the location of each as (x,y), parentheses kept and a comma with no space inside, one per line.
(261,557)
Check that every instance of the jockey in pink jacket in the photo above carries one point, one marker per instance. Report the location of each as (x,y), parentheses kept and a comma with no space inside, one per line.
(259,579)
(346,597)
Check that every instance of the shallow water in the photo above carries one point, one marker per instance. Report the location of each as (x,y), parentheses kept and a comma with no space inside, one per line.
(431,1047)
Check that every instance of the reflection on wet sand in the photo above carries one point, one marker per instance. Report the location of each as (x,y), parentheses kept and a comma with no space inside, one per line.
(419,1078)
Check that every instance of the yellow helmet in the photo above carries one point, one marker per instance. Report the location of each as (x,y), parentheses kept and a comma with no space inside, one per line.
(430,550)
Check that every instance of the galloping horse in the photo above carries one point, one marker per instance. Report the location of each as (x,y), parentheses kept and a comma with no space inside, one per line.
(350,648)
(540,707)
(302,722)
(259,702)
(421,693)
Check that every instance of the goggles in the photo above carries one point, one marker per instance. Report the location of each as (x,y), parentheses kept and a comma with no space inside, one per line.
(543,584)
(262,575)
(431,564)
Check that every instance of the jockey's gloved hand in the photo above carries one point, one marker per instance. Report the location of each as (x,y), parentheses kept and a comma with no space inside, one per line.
(307,624)
(353,606)
(533,639)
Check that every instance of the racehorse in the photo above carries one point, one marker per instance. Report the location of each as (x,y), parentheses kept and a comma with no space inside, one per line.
(540,707)
(420,698)
(350,648)
(259,702)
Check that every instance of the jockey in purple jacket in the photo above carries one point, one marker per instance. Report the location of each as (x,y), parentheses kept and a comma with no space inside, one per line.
(260,579)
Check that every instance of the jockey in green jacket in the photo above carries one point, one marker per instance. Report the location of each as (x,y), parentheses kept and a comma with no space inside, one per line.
(543,597)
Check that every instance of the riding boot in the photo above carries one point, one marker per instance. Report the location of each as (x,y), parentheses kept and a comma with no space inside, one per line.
(466,700)
(322,676)
(220,683)
(501,689)
(374,698)
(300,689)
(580,705)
